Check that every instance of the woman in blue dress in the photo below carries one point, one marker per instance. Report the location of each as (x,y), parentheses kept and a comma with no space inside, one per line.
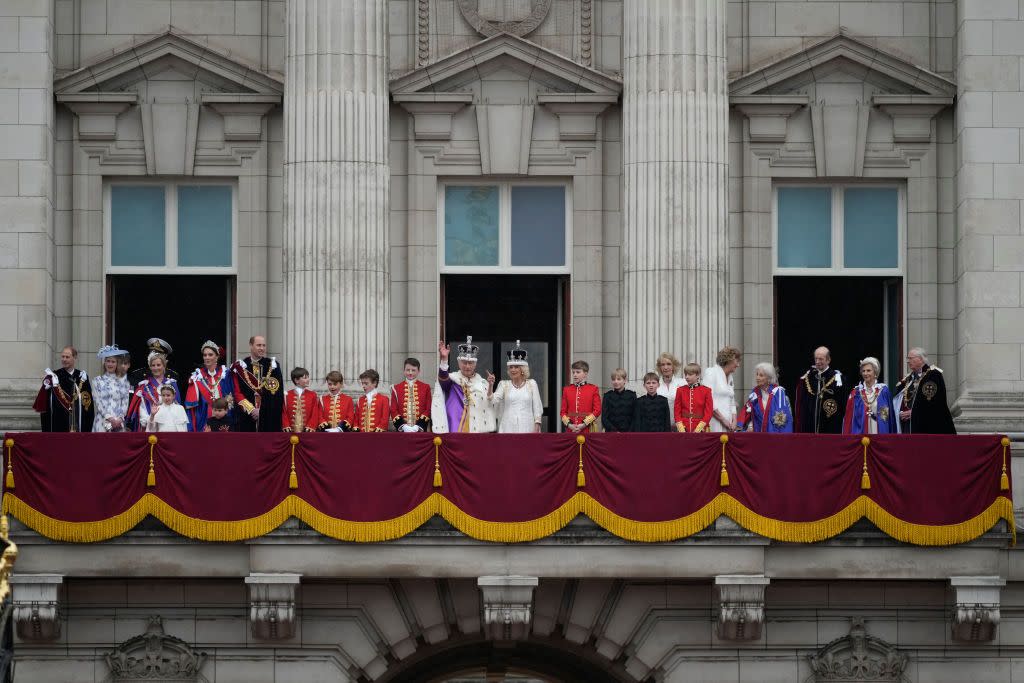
(767,409)
(206,385)
(147,392)
(869,409)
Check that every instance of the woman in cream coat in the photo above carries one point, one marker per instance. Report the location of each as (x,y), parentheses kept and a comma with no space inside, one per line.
(516,400)
(719,379)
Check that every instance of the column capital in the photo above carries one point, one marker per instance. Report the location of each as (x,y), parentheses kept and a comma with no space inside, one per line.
(36,610)
(976,613)
(272,605)
(508,605)
(740,606)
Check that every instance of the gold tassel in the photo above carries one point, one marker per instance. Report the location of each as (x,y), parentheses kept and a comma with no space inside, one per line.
(437,463)
(865,480)
(581,479)
(1004,479)
(723,480)
(293,479)
(151,476)
(9,480)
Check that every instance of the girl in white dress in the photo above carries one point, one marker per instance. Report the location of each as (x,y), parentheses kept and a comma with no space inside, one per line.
(516,400)
(168,416)
(719,379)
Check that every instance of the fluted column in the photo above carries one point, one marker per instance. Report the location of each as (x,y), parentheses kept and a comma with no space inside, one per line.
(336,286)
(675,131)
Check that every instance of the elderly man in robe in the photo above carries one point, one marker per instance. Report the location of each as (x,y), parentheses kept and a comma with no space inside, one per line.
(462,402)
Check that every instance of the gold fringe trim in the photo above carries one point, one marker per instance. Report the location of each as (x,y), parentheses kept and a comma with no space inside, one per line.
(293,478)
(151,475)
(437,462)
(1004,479)
(723,479)
(512,532)
(581,478)
(865,480)
(9,479)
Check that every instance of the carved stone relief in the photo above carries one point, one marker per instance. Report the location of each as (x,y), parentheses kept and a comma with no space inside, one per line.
(155,656)
(517,17)
(858,657)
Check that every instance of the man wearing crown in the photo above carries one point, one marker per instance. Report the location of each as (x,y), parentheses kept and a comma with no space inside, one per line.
(462,402)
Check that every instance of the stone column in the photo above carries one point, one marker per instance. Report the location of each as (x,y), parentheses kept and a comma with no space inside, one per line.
(336,287)
(26,202)
(675,158)
(989,236)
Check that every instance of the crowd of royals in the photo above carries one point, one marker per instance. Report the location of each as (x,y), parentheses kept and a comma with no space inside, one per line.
(250,395)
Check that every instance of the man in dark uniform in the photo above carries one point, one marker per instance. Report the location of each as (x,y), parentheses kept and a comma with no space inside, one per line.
(64,402)
(141,374)
(258,389)
(920,398)
(820,399)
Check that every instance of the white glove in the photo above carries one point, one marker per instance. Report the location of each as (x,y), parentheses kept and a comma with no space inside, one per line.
(410,428)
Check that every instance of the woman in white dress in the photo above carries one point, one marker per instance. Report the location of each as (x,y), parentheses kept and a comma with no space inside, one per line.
(723,392)
(516,400)
(110,392)
(668,367)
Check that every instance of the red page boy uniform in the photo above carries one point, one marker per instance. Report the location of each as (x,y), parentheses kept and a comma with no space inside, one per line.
(694,407)
(410,406)
(301,411)
(581,404)
(337,411)
(372,412)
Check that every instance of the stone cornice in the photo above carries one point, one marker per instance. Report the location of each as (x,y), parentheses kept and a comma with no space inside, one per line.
(107,73)
(471,58)
(913,78)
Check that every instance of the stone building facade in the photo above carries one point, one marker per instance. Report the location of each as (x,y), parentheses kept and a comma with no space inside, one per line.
(603,179)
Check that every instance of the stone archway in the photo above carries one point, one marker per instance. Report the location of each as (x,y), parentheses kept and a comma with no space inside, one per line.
(553,660)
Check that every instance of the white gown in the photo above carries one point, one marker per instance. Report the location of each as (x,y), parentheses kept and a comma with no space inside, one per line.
(723,395)
(519,410)
(170,418)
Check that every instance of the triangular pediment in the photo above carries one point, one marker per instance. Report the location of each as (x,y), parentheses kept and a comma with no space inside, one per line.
(169,57)
(505,54)
(837,59)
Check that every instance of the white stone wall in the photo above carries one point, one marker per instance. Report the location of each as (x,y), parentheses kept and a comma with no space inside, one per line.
(27,132)
(921,31)
(989,180)
(348,629)
(249,30)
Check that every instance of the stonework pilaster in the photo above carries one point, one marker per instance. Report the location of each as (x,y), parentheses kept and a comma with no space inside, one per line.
(989,238)
(675,157)
(26,192)
(336,296)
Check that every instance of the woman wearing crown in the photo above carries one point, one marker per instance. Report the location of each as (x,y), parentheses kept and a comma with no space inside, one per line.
(207,384)
(462,402)
(147,392)
(517,399)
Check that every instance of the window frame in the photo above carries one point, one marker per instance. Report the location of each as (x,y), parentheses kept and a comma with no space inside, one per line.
(504,264)
(838,226)
(170,186)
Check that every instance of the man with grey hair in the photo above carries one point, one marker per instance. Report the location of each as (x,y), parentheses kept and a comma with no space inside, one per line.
(820,397)
(920,398)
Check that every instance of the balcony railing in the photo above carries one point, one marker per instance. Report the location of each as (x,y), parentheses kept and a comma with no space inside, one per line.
(920,489)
